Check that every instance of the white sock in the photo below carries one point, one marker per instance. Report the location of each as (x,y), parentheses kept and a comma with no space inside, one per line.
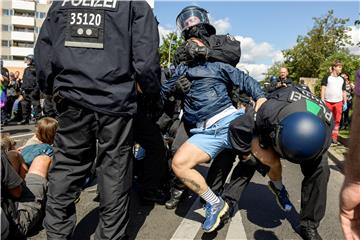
(210,197)
(278,184)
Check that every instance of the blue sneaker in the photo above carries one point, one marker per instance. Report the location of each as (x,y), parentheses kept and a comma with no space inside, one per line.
(213,214)
(282,197)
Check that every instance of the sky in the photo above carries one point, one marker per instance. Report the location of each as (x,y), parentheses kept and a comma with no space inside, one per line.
(264,28)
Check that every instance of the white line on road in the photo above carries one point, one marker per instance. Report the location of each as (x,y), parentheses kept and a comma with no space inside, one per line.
(236,228)
(22,135)
(188,228)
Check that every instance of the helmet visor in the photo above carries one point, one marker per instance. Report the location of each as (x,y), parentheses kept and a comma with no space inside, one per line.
(191,17)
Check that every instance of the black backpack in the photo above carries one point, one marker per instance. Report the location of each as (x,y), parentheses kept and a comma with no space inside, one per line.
(224,48)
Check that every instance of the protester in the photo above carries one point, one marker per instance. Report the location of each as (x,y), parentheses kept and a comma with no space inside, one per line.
(23,191)
(350,192)
(334,95)
(92,72)
(208,110)
(349,88)
(4,81)
(41,143)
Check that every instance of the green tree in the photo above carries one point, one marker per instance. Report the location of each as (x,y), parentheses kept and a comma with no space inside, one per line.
(328,36)
(167,50)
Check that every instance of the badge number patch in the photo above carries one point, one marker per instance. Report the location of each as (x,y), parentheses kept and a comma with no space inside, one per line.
(85,28)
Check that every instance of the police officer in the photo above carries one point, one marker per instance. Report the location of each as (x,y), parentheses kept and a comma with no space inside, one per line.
(297,126)
(91,55)
(30,91)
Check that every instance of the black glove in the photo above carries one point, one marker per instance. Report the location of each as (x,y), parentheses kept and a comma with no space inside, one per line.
(195,51)
(182,85)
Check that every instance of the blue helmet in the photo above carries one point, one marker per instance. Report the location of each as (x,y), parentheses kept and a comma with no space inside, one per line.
(300,136)
(273,79)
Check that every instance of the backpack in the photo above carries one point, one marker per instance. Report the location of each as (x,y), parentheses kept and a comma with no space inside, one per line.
(225,48)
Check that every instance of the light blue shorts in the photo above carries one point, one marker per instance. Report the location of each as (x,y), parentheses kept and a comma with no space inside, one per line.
(214,139)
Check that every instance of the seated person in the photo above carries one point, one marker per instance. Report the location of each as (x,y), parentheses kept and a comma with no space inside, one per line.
(40,143)
(22,199)
(8,145)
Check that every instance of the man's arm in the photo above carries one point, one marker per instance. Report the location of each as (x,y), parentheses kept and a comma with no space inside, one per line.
(323,87)
(245,83)
(145,43)
(43,55)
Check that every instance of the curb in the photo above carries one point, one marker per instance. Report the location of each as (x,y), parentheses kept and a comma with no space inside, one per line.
(337,158)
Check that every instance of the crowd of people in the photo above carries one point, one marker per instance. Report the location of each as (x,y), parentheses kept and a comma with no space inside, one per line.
(110,97)
(20,97)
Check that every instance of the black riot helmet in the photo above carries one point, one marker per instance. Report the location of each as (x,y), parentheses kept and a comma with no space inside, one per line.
(30,59)
(193,16)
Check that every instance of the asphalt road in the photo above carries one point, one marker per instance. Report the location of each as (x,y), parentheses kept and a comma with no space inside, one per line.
(259,216)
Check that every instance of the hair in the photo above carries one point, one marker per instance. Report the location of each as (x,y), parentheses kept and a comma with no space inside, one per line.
(46,129)
(336,63)
(348,76)
(7,143)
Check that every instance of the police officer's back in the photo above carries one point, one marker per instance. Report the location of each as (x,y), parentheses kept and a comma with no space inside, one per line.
(89,55)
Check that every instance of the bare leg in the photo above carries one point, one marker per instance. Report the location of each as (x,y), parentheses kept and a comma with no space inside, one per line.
(184,161)
(40,166)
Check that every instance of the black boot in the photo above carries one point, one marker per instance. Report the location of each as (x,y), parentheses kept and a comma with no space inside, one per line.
(153,196)
(309,233)
(176,195)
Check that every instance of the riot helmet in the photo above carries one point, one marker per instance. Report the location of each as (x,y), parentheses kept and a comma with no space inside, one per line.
(192,16)
(29,59)
(273,79)
(300,136)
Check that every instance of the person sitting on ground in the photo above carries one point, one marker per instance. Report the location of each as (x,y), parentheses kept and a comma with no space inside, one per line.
(8,145)
(22,191)
(40,143)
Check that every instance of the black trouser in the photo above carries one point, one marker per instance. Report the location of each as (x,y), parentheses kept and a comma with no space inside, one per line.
(49,107)
(31,97)
(155,168)
(314,191)
(240,177)
(75,151)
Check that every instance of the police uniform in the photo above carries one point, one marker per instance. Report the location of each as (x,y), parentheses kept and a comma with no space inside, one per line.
(89,55)
(31,94)
(281,103)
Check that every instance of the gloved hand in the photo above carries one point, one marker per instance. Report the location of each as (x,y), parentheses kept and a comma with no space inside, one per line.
(344,108)
(195,51)
(182,85)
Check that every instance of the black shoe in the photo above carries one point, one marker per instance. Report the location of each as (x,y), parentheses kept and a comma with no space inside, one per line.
(176,196)
(309,233)
(229,214)
(153,196)
(23,122)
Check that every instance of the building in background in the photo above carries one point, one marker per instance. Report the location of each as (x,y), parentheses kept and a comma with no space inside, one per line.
(20,25)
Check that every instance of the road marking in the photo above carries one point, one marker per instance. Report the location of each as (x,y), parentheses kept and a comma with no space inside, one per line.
(22,135)
(191,223)
(236,228)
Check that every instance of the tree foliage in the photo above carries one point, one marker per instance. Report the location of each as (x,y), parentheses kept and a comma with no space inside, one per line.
(328,36)
(167,50)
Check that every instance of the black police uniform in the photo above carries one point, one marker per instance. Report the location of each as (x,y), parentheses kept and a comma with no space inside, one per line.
(316,171)
(31,94)
(88,55)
